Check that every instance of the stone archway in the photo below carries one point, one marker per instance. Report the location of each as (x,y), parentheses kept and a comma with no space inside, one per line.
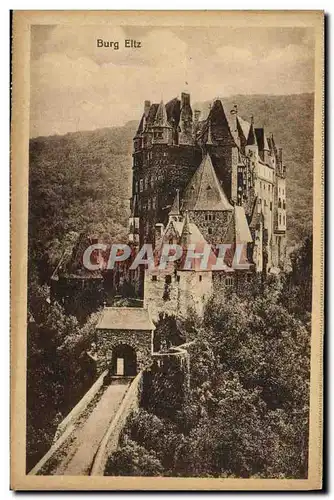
(124,361)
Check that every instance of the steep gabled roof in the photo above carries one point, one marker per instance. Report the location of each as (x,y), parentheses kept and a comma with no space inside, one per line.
(242,232)
(251,139)
(204,191)
(261,139)
(125,318)
(175,210)
(161,116)
(243,127)
(173,109)
(151,114)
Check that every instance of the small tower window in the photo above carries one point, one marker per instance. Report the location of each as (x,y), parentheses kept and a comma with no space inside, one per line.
(228,281)
(279,203)
(208,188)
(168,279)
(154,278)
(200,277)
(209,230)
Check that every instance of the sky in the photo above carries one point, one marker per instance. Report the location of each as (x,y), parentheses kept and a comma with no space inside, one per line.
(76,85)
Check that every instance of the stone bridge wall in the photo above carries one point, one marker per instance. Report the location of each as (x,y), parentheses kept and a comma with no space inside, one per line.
(109,443)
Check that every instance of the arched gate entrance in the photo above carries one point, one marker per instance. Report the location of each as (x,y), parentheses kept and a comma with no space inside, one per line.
(124,361)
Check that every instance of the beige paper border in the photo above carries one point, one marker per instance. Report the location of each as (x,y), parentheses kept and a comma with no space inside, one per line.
(19,226)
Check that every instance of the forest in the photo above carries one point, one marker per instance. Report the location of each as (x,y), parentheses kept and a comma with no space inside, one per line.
(81,183)
(246,413)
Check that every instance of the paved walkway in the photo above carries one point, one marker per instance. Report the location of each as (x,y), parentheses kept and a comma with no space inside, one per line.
(86,438)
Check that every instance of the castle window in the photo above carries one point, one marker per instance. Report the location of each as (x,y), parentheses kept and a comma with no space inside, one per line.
(228,281)
(209,230)
(279,203)
(213,217)
(259,201)
(141,185)
(200,278)
(268,187)
(280,218)
(284,204)
(178,278)
(168,279)
(154,278)
(158,135)
(264,186)
(284,220)
(208,188)
(271,206)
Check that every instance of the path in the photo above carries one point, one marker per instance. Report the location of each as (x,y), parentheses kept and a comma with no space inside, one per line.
(86,438)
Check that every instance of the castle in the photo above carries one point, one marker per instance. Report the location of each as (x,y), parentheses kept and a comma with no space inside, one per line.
(198,178)
(215,179)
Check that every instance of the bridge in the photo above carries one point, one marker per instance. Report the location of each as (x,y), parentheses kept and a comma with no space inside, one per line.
(90,433)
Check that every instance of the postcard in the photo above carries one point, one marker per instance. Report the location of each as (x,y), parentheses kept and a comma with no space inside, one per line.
(167,260)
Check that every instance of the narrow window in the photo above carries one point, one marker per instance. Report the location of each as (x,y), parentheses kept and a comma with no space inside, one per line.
(200,278)
(154,278)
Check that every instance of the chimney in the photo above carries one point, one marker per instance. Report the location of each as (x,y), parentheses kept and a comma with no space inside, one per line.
(147,105)
(196,115)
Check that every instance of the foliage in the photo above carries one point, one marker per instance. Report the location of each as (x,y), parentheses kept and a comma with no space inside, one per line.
(58,373)
(246,412)
(133,460)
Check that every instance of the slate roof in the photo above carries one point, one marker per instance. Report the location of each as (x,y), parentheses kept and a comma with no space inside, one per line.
(204,191)
(242,232)
(151,114)
(161,116)
(251,139)
(173,109)
(175,210)
(244,126)
(125,318)
(261,139)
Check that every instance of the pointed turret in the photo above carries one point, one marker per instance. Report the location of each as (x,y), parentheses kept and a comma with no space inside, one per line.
(251,139)
(204,191)
(186,231)
(175,210)
(161,116)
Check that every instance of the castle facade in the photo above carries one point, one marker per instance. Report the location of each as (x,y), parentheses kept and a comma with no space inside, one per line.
(215,179)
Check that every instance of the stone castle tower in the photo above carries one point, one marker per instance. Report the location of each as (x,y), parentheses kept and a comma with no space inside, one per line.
(169,146)
(218,172)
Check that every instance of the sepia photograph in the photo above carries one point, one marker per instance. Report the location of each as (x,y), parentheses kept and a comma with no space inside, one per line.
(167,178)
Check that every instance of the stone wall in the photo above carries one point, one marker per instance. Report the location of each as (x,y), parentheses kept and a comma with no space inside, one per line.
(217,225)
(186,290)
(107,340)
(110,440)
